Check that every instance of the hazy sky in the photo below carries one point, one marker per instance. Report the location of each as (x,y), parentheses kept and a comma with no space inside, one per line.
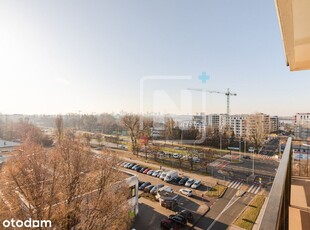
(138,55)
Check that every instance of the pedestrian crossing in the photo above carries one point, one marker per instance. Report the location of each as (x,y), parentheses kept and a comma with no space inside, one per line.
(236,184)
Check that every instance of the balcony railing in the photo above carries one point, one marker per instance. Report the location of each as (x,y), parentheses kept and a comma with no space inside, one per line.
(277,208)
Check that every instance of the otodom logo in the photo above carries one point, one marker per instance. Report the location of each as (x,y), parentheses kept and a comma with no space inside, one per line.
(27,223)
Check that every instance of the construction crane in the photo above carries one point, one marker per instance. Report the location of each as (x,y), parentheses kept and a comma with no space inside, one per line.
(228,94)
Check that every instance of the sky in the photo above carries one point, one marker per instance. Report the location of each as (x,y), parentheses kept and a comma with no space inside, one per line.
(142,56)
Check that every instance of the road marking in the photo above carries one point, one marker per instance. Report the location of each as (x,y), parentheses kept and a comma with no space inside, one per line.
(236,185)
(230,203)
(257,190)
(231,184)
(239,186)
(250,188)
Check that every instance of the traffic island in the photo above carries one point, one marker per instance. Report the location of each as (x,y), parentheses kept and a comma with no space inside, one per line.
(217,190)
(248,217)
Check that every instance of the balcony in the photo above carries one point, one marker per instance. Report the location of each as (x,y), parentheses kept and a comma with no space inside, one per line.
(288,205)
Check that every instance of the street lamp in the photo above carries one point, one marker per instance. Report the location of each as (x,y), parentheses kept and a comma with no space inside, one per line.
(253,162)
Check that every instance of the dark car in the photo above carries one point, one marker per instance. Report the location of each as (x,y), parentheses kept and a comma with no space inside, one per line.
(178,219)
(142,169)
(246,157)
(144,185)
(183,180)
(176,180)
(187,215)
(148,188)
(138,168)
(169,224)
(140,183)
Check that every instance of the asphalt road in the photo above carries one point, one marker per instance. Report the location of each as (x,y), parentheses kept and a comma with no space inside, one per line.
(223,212)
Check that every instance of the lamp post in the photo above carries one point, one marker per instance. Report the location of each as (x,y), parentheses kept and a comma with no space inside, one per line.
(253,162)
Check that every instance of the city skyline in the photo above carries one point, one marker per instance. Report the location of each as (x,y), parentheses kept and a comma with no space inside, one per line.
(64,58)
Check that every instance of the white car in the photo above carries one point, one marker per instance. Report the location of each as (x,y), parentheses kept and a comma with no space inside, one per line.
(150,172)
(196,159)
(196,184)
(189,182)
(155,173)
(163,175)
(166,189)
(186,191)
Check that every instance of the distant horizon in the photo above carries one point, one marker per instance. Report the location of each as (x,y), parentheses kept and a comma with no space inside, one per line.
(124,112)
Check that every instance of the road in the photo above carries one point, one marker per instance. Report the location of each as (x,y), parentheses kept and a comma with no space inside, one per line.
(223,212)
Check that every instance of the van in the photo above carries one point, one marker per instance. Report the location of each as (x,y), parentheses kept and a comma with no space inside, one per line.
(171,175)
(163,175)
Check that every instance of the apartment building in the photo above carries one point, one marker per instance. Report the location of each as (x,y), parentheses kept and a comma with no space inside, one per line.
(274,124)
(302,125)
(238,125)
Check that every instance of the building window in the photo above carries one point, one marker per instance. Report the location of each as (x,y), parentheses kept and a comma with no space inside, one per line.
(132,191)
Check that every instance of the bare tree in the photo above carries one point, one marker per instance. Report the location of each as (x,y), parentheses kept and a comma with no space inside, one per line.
(59,122)
(256,129)
(132,124)
(65,184)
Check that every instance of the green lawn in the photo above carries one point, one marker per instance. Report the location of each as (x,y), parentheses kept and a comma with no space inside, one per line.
(247,219)
(217,191)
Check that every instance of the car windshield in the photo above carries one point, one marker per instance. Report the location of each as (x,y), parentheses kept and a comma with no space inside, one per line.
(197,182)
(190,181)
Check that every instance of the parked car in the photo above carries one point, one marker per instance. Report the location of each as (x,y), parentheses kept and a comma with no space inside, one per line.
(186,191)
(186,214)
(134,166)
(177,156)
(144,185)
(138,168)
(169,224)
(148,188)
(150,172)
(122,147)
(196,159)
(171,175)
(159,174)
(155,173)
(140,183)
(125,164)
(246,157)
(183,180)
(189,182)
(146,170)
(176,180)
(166,189)
(178,219)
(129,165)
(163,175)
(142,169)
(155,188)
(196,184)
